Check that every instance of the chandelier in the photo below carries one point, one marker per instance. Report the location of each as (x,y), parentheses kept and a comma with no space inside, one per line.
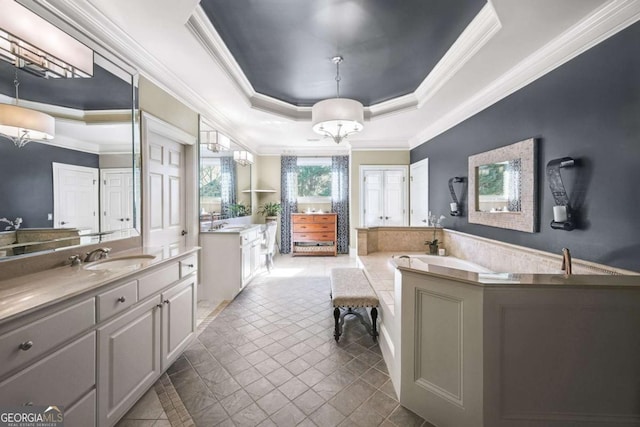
(22,125)
(337,118)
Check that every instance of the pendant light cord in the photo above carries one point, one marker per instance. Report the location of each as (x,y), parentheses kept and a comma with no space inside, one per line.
(16,83)
(337,60)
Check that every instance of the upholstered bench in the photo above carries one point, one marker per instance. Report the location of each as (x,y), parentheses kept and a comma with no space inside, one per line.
(351,293)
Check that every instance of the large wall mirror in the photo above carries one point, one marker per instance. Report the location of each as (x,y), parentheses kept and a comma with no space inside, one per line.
(81,187)
(502,187)
(225,177)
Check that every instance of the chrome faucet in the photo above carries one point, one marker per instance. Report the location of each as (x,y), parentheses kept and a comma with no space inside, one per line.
(566,262)
(99,253)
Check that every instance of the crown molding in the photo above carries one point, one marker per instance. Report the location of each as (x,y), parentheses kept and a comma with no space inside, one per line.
(152,124)
(480,30)
(597,26)
(90,20)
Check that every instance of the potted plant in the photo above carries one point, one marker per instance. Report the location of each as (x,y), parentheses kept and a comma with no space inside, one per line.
(270,210)
(238,209)
(433,243)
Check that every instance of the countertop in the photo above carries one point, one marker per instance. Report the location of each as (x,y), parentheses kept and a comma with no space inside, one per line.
(231,229)
(25,294)
(517,279)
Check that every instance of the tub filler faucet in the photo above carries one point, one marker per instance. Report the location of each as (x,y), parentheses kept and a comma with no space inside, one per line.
(566,262)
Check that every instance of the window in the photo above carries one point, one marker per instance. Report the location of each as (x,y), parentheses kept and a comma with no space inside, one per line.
(314,180)
(210,184)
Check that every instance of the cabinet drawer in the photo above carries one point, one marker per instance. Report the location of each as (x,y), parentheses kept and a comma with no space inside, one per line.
(300,219)
(324,218)
(248,236)
(307,228)
(116,300)
(313,237)
(25,344)
(188,266)
(83,413)
(59,379)
(158,280)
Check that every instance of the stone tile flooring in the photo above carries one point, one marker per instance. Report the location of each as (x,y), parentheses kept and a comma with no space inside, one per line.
(269,359)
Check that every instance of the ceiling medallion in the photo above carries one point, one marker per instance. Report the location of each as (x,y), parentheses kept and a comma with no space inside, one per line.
(337,118)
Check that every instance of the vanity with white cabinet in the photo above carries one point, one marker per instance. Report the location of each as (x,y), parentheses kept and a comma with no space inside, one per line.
(230,259)
(94,341)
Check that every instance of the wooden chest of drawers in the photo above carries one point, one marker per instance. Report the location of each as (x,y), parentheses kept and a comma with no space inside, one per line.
(313,234)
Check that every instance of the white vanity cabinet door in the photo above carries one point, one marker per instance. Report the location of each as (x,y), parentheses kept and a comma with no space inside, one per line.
(178,320)
(246,265)
(128,359)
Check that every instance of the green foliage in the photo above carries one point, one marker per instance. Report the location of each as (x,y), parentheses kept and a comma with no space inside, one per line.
(270,209)
(210,181)
(239,209)
(314,181)
(491,179)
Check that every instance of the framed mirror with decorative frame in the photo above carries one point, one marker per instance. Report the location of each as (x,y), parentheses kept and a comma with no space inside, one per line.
(503,187)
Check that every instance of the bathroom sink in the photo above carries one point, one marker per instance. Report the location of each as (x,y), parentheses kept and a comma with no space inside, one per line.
(132,262)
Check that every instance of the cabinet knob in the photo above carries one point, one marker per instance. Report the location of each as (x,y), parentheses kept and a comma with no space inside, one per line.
(166,301)
(25,345)
(122,299)
(424,220)
(381,217)
(386,217)
(190,265)
(127,219)
(159,305)
(121,219)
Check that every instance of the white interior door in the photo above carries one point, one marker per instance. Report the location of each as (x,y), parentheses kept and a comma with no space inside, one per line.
(384,196)
(166,196)
(117,199)
(75,197)
(373,198)
(419,193)
(395,197)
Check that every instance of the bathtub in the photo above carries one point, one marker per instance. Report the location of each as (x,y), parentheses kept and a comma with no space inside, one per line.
(423,262)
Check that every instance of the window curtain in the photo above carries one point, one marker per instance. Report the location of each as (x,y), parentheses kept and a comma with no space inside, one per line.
(288,198)
(227,186)
(340,199)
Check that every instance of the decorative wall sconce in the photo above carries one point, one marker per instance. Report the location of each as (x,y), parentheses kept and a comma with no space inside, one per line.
(562,214)
(215,141)
(29,42)
(243,158)
(455,209)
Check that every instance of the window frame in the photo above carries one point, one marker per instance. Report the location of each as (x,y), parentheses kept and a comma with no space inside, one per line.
(313,161)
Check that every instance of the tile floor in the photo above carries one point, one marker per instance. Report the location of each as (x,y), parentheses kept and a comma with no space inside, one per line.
(270,359)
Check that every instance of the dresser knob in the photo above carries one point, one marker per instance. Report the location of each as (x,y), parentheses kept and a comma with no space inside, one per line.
(122,299)
(25,345)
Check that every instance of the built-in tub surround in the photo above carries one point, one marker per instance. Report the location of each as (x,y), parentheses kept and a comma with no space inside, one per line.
(506,349)
(389,239)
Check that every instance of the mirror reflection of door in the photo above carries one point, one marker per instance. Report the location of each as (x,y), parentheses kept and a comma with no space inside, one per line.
(75,197)
(117,199)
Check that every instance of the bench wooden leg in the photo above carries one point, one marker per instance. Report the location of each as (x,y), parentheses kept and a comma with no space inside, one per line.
(374,317)
(336,316)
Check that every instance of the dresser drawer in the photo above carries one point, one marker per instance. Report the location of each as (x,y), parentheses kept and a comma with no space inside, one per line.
(306,228)
(300,219)
(116,300)
(188,266)
(29,342)
(324,218)
(59,379)
(313,237)
(158,280)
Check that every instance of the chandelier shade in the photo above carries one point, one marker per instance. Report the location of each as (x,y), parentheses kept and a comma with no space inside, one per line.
(22,125)
(337,118)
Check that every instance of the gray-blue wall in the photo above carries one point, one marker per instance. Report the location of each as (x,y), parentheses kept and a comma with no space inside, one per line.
(588,109)
(26,180)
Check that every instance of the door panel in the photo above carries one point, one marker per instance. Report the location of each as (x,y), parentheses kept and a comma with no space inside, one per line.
(117,200)
(394,198)
(373,198)
(75,197)
(166,191)
(178,320)
(419,189)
